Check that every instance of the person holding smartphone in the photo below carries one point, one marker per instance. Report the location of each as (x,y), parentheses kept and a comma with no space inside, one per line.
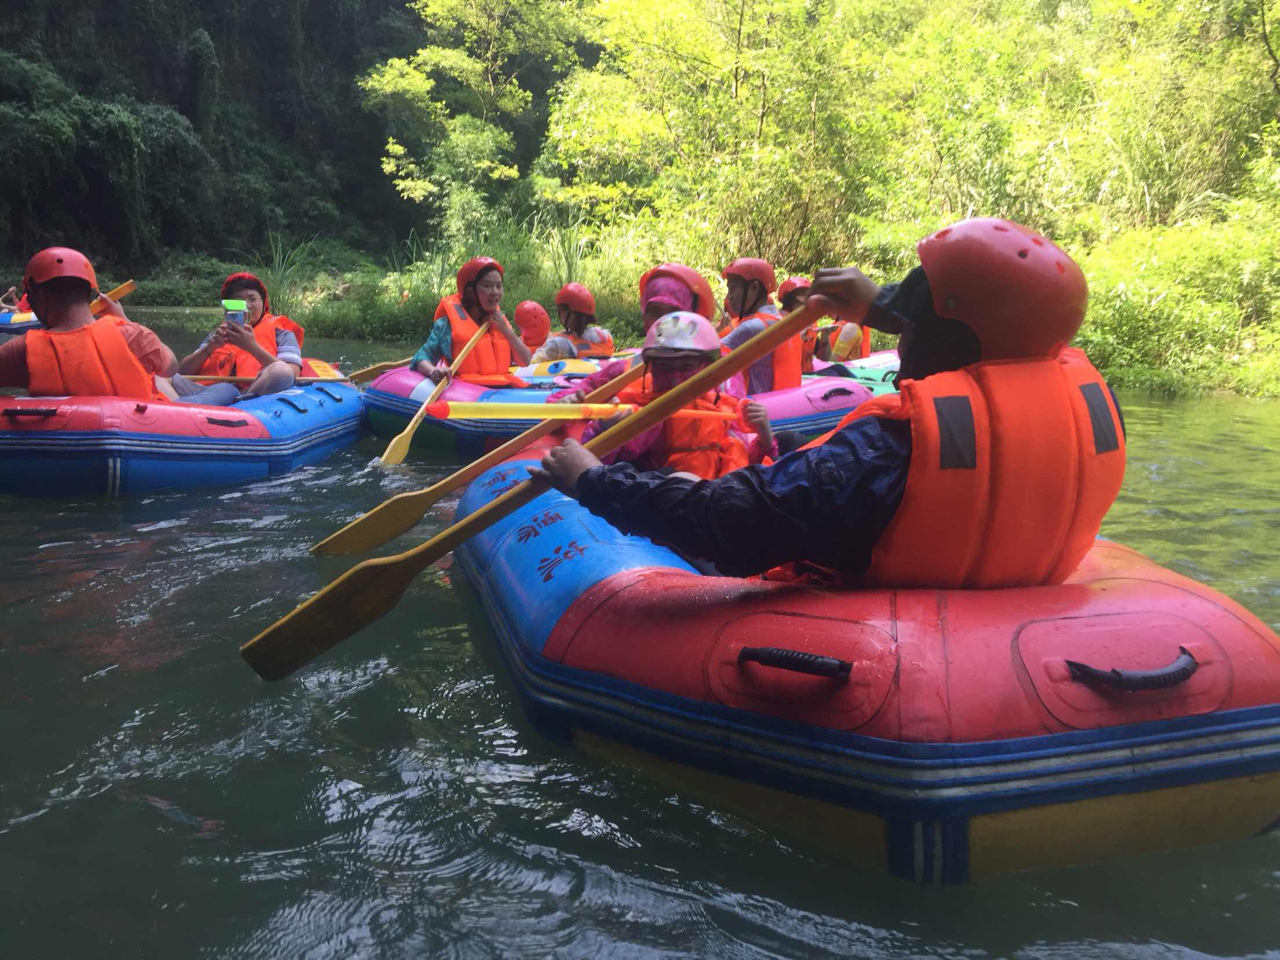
(258,344)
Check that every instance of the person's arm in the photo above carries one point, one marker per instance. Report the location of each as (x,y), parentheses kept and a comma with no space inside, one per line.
(10,299)
(151,351)
(574,394)
(193,361)
(439,346)
(241,335)
(288,351)
(828,505)
(13,363)
(757,418)
(519,349)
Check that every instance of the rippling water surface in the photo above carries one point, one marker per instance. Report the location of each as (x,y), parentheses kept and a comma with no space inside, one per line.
(157,799)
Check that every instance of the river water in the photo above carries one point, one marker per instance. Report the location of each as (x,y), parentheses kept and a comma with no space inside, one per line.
(157,799)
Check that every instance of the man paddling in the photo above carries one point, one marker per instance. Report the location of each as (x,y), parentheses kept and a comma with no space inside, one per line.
(992,468)
(78,354)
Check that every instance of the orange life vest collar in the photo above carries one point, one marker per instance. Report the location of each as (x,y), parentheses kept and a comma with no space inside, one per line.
(697,445)
(585,349)
(90,361)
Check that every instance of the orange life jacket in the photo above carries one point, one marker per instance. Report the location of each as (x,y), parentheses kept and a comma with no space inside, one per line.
(787,356)
(730,324)
(1014,463)
(808,343)
(90,361)
(231,361)
(586,349)
(489,362)
(701,446)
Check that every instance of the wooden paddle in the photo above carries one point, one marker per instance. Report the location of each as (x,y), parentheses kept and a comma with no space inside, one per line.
(203,379)
(399,445)
(368,373)
(369,590)
(402,512)
(118,293)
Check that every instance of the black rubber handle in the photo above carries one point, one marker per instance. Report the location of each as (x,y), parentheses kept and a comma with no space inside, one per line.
(297,406)
(1180,671)
(837,392)
(15,412)
(219,422)
(796,660)
(331,396)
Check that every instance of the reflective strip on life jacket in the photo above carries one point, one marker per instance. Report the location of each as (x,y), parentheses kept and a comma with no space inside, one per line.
(232,361)
(489,362)
(90,361)
(1013,466)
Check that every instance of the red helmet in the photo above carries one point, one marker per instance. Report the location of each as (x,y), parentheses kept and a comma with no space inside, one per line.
(753,268)
(577,298)
(704,301)
(793,283)
(472,268)
(58,262)
(250,279)
(1015,289)
(534,323)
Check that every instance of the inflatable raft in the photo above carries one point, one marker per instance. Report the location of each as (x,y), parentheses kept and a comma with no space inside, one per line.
(11,322)
(87,446)
(391,400)
(941,735)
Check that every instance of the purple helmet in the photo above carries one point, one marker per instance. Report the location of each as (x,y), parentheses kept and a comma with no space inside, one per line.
(682,332)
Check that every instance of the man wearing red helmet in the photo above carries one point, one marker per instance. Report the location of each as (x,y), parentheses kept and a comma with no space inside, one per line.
(751,283)
(80,355)
(993,467)
(458,319)
(581,338)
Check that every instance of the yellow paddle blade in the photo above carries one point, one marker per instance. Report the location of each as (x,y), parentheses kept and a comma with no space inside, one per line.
(402,512)
(399,446)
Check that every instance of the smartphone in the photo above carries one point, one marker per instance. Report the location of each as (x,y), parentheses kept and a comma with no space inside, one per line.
(235,311)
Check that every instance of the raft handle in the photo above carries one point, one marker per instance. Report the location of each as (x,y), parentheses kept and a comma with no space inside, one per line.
(14,412)
(797,660)
(331,396)
(219,422)
(837,392)
(1180,671)
(297,406)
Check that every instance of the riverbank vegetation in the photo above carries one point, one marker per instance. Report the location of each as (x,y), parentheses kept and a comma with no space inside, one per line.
(588,140)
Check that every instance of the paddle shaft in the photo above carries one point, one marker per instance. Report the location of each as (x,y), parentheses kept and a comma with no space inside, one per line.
(401,513)
(369,590)
(201,378)
(368,373)
(119,293)
(399,445)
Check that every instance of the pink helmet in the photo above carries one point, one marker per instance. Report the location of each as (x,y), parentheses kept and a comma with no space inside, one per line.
(791,284)
(682,332)
(577,298)
(753,268)
(1020,293)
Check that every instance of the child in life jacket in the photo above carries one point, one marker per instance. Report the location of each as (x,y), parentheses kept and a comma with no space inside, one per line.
(751,283)
(582,337)
(665,289)
(265,346)
(459,317)
(791,294)
(80,355)
(675,348)
(992,467)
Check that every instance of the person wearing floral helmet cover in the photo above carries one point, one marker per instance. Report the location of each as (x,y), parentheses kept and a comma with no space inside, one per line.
(992,467)
(675,348)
